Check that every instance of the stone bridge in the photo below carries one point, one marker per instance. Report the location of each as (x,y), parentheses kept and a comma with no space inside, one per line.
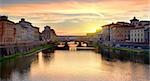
(74,38)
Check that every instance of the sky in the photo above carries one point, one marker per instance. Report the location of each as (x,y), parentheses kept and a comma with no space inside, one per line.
(74,17)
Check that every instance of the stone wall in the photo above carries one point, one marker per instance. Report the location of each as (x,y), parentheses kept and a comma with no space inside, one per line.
(10,49)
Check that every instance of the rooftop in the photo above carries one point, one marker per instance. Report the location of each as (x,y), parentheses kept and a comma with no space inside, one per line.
(134,19)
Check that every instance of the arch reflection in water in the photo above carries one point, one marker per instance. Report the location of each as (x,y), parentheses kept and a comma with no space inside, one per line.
(72,46)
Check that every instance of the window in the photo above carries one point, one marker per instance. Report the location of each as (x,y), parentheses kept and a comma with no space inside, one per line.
(14,30)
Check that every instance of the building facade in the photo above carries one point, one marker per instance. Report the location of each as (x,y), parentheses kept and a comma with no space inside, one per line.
(140,33)
(115,32)
(106,32)
(137,35)
(20,34)
(36,34)
(23,32)
(48,34)
(135,31)
(120,32)
(53,36)
(7,30)
(147,34)
(31,33)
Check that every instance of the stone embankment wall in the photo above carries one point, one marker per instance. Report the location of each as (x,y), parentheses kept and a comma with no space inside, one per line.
(124,54)
(10,49)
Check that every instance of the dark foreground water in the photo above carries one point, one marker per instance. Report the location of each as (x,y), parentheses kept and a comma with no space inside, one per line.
(71,66)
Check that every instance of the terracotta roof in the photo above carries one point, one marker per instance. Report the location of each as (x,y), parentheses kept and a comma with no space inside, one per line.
(122,26)
(108,25)
(138,27)
(35,27)
(145,21)
(8,21)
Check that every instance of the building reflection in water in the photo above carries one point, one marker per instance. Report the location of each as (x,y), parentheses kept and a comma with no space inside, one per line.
(47,55)
(19,65)
(64,65)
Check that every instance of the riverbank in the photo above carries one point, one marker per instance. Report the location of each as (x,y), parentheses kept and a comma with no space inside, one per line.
(30,52)
(123,54)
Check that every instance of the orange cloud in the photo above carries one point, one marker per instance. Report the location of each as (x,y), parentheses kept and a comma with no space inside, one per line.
(91,14)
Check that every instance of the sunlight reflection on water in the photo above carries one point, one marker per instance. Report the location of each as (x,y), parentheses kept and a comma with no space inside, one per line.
(72,66)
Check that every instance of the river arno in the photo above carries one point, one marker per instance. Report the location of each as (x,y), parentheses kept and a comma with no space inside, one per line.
(63,65)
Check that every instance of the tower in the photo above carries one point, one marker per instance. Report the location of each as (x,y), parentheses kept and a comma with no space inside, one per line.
(134,22)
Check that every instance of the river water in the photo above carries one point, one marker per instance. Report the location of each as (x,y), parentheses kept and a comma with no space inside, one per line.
(63,65)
